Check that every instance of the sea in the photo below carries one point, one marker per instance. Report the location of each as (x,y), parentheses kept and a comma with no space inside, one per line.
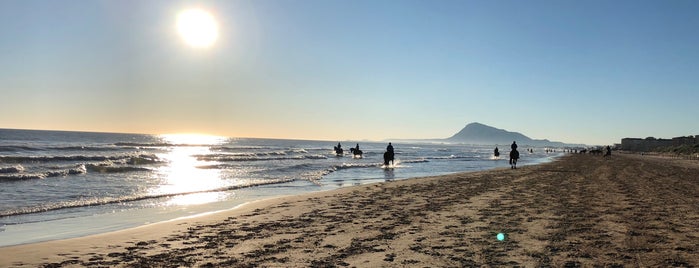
(61,184)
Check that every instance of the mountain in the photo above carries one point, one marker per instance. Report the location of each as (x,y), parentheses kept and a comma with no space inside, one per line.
(477,133)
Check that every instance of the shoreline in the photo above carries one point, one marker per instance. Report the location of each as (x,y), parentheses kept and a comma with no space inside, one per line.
(116,220)
(579,210)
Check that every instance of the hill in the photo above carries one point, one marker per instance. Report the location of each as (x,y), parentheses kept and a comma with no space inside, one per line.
(477,133)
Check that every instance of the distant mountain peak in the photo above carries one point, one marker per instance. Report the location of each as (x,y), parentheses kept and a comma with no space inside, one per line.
(477,133)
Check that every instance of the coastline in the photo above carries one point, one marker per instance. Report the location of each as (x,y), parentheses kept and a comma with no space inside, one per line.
(579,210)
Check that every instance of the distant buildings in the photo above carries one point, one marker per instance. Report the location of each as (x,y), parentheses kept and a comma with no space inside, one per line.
(651,144)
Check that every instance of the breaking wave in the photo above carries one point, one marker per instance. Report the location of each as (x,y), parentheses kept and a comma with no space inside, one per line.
(116,200)
(246,158)
(14,169)
(127,159)
(80,169)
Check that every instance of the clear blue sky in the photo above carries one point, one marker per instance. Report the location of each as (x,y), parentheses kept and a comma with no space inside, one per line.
(573,71)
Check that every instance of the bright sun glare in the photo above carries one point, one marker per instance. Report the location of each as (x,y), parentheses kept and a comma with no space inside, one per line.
(197,27)
(193,139)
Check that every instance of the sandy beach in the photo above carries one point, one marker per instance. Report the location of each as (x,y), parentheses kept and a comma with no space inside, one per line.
(581,210)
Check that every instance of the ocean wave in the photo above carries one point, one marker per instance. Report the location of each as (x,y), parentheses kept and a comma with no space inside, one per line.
(115,200)
(232,158)
(258,151)
(317,175)
(236,148)
(26,148)
(158,144)
(244,154)
(84,148)
(144,144)
(18,148)
(450,157)
(143,159)
(128,159)
(80,169)
(114,169)
(414,161)
(13,169)
(33,159)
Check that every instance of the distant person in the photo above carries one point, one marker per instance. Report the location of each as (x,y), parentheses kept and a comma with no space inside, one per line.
(496,152)
(609,151)
(514,145)
(514,156)
(338,149)
(356,152)
(388,156)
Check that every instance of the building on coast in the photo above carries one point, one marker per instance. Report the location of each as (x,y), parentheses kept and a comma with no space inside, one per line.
(651,143)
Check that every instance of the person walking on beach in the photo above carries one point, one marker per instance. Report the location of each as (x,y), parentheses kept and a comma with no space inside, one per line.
(496,152)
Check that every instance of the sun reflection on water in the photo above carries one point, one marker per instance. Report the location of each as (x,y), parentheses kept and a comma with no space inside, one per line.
(193,139)
(197,199)
(182,175)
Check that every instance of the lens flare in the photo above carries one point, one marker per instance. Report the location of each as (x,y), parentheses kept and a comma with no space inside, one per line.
(501,237)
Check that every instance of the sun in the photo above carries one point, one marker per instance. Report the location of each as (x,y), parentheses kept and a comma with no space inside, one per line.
(197,27)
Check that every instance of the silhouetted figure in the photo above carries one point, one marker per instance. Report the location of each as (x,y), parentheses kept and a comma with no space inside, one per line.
(514,145)
(496,152)
(338,149)
(388,156)
(609,152)
(356,152)
(514,155)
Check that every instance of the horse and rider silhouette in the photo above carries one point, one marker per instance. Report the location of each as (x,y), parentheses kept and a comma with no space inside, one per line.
(514,155)
(356,152)
(388,156)
(338,150)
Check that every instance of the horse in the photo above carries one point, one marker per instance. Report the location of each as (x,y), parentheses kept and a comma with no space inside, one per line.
(608,152)
(356,152)
(339,151)
(514,155)
(388,157)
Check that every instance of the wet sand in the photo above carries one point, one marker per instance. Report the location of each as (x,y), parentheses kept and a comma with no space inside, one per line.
(582,210)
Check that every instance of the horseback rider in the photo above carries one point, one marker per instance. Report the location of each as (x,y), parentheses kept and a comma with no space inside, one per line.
(514,145)
(388,155)
(338,149)
(514,155)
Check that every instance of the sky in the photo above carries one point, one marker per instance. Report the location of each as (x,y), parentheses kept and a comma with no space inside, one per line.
(588,72)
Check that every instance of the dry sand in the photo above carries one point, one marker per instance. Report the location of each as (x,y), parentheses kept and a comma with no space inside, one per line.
(580,211)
